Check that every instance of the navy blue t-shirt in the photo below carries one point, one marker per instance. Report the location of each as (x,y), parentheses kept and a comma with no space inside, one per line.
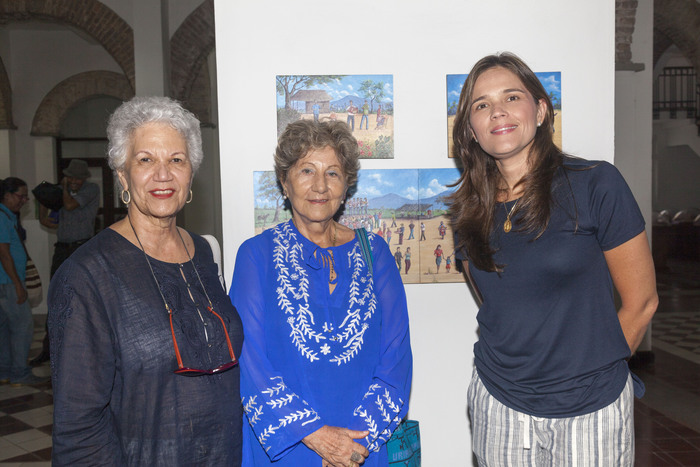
(550,343)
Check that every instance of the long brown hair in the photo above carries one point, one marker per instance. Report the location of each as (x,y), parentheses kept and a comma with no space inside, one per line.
(481,183)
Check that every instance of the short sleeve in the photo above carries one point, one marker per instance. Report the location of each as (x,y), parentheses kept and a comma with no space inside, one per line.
(613,208)
(5,229)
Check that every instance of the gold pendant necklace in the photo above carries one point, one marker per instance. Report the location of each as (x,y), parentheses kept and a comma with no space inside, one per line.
(508,225)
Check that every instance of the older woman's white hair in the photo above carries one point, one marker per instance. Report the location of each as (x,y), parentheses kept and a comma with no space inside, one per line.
(141,110)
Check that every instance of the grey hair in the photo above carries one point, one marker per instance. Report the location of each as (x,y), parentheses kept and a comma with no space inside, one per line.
(302,136)
(138,111)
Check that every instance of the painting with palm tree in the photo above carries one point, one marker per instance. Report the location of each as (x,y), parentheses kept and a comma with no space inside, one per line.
(364,102)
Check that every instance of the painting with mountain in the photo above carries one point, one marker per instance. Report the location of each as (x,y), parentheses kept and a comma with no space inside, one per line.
(364,102)
(408,208)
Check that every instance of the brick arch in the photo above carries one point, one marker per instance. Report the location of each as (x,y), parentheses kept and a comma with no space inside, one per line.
(677,22)
(71,92)
(5,100)
(90,16)
(189,48)
(625,17)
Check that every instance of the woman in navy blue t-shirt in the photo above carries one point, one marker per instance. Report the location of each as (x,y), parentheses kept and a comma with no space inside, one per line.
(548,237)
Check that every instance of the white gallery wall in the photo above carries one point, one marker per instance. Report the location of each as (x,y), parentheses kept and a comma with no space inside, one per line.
(419,43)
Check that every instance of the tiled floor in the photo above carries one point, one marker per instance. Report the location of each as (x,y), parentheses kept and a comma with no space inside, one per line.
(667,419)
(26,418)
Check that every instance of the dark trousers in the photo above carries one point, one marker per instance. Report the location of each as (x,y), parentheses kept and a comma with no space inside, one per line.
(61,253)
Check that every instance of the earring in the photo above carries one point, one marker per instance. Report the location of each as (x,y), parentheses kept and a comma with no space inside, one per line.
(189,200)
(539,124)
(128,197)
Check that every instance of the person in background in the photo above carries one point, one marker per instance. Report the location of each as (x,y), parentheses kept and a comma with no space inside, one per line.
(144,338)
(351,110)
(381,118)
(316,109)
(16,322)
(438,257)
(547,236)
(326,339)
(365,116)
(398,257)
(76,224)
(76,219)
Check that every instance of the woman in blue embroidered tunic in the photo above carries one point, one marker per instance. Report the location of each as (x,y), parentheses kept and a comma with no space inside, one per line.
(547,237)
(143,336)
(326,364)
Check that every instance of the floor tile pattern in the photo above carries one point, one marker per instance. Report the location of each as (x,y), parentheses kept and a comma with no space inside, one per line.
(680,329)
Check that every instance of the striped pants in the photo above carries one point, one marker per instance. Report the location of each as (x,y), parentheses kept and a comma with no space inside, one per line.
(505,437)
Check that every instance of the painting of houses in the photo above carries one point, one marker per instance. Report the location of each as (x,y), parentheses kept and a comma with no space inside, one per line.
(306,99)
(364,102)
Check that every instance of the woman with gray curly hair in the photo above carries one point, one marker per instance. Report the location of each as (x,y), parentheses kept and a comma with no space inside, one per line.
(326,365)
(143,337)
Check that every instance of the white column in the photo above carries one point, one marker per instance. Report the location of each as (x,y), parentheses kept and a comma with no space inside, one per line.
(633,120)
(44,159)
(40,240)
(151,47)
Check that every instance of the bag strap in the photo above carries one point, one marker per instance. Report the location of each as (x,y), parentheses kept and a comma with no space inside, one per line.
(365,247)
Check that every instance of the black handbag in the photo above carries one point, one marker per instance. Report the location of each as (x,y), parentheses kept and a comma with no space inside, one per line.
(49,195)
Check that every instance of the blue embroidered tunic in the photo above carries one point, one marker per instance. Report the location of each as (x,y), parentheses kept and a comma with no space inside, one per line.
(312,358)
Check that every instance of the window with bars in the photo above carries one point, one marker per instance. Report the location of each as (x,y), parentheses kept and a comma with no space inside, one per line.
(677,91)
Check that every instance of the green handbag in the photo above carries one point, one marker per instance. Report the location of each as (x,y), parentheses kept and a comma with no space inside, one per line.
(404,446)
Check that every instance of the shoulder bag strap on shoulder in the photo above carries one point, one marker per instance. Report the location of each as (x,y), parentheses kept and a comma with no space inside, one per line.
(365,247)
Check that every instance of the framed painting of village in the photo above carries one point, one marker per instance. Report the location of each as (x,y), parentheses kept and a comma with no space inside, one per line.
(406,207)
(364,102)
(550,80)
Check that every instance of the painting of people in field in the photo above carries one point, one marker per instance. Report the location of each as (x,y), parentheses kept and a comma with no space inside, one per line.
(364,102)
(550,80)
(406,207)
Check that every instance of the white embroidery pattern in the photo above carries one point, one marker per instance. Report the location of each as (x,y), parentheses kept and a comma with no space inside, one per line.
(341,344)
(277,400)
(389,411)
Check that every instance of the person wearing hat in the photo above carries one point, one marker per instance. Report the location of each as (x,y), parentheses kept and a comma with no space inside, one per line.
(76,222)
